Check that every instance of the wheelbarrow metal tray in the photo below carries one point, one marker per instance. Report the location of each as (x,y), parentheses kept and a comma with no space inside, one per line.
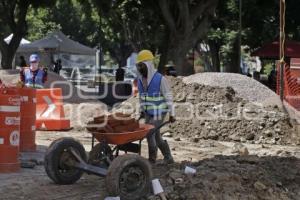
(125,137)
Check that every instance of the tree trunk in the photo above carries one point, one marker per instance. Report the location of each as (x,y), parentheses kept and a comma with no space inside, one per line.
(177,52)
(164,51)
(7,58)
(8,51)
(178,57)
(15,22)
(234,65)
(215,57)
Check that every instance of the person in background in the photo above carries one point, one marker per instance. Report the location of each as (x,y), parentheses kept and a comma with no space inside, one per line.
(272,78)
(22,62)
(170,69)
(57,66)
(156,101)
(120,73)
(34,76)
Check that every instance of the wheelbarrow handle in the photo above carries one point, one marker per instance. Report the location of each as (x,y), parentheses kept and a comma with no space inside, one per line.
(158,127)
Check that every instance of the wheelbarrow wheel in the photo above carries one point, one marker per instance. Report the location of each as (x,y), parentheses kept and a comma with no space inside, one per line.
(101,155)
(58,161)
(129,176)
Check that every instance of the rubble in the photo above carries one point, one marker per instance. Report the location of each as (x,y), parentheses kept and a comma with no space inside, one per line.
(233,177)
(240,150)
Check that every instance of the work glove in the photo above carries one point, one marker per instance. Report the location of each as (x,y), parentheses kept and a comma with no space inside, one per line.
(172,119)
(142,115)
(20,84)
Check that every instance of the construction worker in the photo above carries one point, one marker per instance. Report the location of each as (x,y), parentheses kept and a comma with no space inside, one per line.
(34,76)
(170,69)
(156,101)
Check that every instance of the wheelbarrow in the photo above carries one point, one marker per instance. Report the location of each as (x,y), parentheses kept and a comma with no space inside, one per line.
(128,176)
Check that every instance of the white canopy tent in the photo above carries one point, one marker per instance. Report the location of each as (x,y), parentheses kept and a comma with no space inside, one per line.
(8,39)
(58,45)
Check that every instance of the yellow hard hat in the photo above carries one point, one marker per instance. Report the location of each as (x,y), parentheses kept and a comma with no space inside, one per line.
(144,55)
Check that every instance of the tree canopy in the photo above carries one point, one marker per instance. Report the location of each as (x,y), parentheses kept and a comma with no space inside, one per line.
(13,20)
(170,28)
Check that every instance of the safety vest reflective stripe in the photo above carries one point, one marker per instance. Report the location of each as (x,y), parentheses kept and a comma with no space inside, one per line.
(155,107)
(149,98)
(34,86)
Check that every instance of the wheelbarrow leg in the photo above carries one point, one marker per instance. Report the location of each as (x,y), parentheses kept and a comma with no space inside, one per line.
(117,151)
(140,147)
(93,141)
(81,164)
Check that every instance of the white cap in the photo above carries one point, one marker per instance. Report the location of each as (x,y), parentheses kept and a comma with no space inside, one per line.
(157,188)
(34,58)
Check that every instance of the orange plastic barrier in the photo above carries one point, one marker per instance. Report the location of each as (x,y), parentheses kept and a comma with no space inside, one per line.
(10,127)
(50,111)
(28,112)
(291,86)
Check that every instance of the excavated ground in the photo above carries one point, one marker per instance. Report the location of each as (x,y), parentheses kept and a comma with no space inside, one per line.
(240,149)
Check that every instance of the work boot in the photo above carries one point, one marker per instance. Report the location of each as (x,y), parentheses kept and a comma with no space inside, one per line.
(165,150)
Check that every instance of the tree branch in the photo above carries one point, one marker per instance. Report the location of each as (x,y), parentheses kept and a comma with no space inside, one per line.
(201,29)
(167,15)
(205,21)
(202,6)
(20,24)
(184,14)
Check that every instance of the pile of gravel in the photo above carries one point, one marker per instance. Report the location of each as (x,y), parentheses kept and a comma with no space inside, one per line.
(245,87)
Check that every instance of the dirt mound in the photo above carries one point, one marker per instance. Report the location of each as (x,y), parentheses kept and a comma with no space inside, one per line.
(232,177)
(207,112)
(216,113)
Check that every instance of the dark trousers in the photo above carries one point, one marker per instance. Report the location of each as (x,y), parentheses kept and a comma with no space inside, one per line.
(156,141)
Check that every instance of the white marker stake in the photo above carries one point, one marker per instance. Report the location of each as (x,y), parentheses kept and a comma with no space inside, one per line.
(157,189)
(112,198)
(189,170)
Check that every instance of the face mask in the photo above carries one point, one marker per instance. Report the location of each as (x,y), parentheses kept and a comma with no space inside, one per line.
(142,68)
(34,66)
